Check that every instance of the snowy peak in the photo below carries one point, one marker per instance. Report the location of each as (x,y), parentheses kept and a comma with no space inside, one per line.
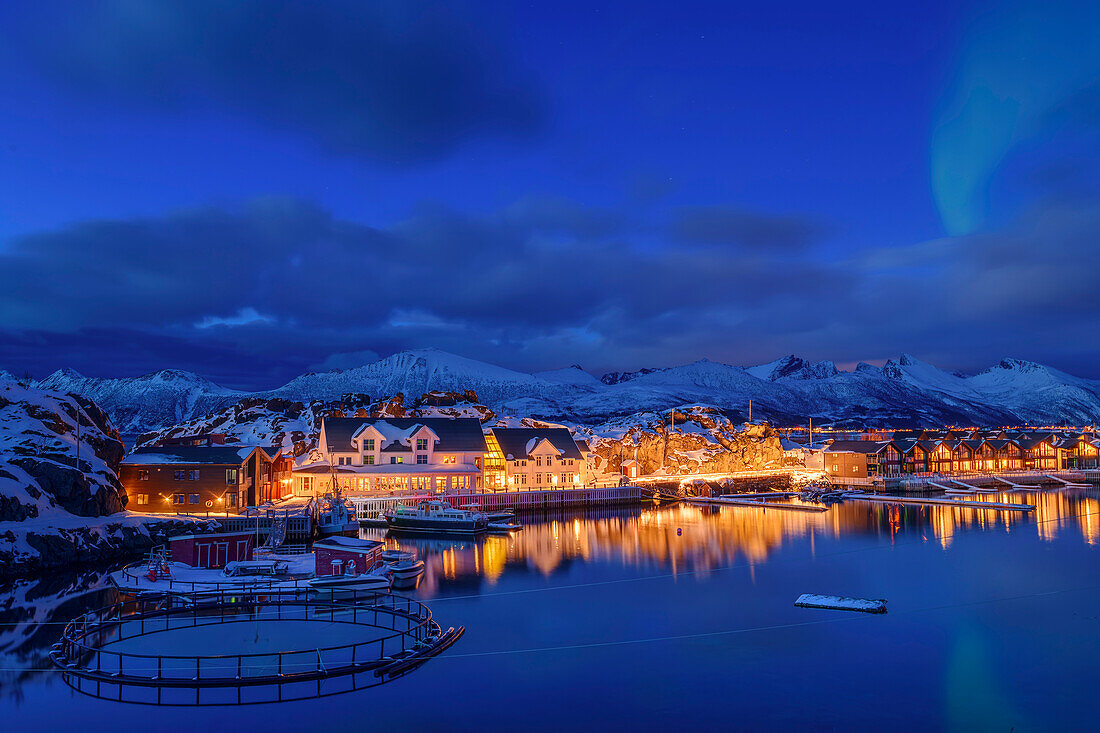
(619,377)
(793,367)
(572,374)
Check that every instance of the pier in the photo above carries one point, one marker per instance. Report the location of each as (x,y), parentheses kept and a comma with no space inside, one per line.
(370,508)
(933,501)
(756,504)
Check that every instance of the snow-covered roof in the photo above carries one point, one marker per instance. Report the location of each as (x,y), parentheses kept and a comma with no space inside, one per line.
(192,454)
(519,442)
(458,434)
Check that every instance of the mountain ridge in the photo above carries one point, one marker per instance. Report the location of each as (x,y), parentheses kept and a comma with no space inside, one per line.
(904,392)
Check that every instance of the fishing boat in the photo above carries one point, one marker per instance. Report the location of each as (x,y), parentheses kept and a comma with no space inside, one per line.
(336,516)
(436,516)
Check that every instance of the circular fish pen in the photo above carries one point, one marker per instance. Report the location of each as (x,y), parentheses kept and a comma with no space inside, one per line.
(240,648)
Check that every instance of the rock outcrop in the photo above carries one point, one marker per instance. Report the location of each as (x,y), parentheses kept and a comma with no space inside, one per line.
(61,502)
(702,441)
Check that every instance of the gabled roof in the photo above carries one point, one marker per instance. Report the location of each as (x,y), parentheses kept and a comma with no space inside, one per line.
(857,446)
(225,455)
(458,434)
(582,445)
(515,442)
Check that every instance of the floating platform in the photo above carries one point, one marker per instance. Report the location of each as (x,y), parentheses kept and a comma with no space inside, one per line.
(757,504)
(884,499)
(842,603)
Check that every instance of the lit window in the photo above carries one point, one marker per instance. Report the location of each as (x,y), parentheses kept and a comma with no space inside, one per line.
(422,444)
(368,445)
(231,475)
(368,460)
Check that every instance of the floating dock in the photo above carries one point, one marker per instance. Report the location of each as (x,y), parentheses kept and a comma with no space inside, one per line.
(842,603)
(757,504)
(884,499)
(761,495)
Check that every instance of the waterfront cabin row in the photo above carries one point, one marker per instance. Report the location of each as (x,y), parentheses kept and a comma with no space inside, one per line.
(1034,451)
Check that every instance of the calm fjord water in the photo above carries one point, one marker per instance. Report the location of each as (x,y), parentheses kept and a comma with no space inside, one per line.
(678,617)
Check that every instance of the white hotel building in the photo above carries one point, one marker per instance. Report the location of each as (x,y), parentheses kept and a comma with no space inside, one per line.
(382,455)
(440,455)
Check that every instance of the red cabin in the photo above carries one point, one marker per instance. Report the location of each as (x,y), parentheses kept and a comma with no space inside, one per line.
(212,550)
(335,554)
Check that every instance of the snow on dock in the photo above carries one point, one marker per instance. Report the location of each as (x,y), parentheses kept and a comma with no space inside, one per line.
(973,489)
(944,501)
(841,603)
(758,504)
(1066,484)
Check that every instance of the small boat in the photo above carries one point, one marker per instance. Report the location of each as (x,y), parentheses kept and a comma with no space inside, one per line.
(504,527)
(498,515)
(376,579)
(403,568)
(436,517)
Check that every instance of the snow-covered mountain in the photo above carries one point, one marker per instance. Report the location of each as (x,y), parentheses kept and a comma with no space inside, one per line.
(137,404)
(902,393)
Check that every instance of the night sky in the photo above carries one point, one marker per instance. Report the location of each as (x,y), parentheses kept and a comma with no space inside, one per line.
(252,189)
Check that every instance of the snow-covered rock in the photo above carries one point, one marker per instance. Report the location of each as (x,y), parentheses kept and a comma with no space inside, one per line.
(60,498)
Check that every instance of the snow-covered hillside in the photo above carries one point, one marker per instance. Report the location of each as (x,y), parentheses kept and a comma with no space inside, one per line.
(61,502)
(903,393)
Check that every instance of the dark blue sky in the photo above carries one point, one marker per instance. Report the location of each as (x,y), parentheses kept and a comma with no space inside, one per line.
(252,189)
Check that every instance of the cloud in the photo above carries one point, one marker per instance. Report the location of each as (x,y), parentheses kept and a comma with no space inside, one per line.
(247,316)
(727,225)
(345,360)
(392,81)
(282,283)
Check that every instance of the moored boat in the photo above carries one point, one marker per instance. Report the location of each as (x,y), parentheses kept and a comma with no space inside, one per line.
(436,516)
(336,516)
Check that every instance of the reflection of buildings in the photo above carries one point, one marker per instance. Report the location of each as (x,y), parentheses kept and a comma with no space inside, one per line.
(682,538)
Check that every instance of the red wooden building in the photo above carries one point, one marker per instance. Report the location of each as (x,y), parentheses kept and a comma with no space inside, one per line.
(334,554)
(212,550)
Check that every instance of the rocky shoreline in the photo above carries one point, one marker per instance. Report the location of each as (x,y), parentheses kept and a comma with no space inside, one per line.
(35,550)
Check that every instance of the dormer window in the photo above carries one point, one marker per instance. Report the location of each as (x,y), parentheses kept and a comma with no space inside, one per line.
(422,444)
(368,445)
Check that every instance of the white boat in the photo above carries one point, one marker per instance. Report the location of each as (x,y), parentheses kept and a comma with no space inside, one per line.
(436,516)
(403,568)
(494,515)
(373,579)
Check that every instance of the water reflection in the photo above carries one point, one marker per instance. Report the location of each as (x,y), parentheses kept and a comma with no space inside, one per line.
(32,614)
(591,546)
(683,538)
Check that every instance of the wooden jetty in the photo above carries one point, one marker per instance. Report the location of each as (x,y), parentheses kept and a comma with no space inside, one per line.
(761,495)
(931,501)
(1068,484)
(756,504)
(974,489)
